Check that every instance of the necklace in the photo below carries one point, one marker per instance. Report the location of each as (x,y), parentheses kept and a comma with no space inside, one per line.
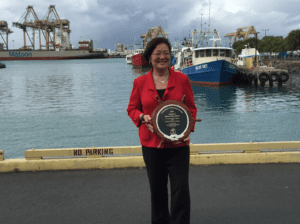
(163,82)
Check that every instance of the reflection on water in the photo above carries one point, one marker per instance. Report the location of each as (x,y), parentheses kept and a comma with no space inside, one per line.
(213,97)
(249,98)
(139,71)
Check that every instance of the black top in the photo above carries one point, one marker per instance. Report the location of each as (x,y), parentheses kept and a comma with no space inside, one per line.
(161,92)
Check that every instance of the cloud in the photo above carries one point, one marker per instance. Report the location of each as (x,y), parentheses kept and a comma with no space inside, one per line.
(124,22)
(150,16)
(81,5)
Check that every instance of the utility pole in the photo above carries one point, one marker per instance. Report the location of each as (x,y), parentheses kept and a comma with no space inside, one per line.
(265,31)
(256,62)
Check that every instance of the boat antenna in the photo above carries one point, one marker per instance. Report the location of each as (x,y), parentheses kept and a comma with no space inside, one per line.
(201,22)
(209,17)
(166,27)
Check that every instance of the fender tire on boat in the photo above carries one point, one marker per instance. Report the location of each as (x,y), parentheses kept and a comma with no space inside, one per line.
(274,76)
(244,76)
(255,78)
(239,77)
(283,76)
(235,76)
(263,77)
(248,80)
(250,77)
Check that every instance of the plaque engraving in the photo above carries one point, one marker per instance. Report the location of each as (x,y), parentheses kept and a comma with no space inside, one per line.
(172,120)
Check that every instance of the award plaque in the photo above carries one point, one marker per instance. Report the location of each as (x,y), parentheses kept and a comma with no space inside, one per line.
(172,120)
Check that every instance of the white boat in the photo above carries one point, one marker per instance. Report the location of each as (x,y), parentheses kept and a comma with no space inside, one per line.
(247,53)
(128,59)
(183,58)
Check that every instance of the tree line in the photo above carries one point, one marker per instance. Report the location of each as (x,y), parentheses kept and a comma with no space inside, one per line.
(271,44)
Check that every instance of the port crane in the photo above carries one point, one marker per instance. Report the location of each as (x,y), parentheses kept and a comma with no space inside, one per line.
(46,26)
(5,30)
(52,22)
(152,33)
(242,32)
(26,23)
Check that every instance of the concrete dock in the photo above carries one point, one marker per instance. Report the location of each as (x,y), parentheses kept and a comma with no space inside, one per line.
(251,193)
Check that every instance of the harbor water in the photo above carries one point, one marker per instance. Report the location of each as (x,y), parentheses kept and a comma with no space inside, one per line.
(82,103)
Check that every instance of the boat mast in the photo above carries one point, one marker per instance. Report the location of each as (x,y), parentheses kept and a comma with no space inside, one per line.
(201,23)
(209,17)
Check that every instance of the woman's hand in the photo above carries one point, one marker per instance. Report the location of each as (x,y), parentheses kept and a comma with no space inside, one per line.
(182,141)
(146,121)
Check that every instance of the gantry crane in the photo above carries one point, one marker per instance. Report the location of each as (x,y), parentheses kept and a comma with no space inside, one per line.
(152,33)
(52,22)
(240,33)
(46,26)
(4,29)
(25,23)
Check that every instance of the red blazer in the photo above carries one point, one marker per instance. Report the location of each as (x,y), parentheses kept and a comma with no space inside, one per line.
(142,100)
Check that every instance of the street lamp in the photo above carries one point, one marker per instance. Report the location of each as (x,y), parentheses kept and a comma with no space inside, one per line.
(265,31)
(256,35)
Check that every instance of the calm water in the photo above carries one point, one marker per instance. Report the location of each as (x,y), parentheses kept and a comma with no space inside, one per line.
(82,103)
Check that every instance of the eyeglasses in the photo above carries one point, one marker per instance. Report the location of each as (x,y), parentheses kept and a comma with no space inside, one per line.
(164,54)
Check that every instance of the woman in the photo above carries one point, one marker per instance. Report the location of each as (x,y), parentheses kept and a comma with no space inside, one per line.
(163,159)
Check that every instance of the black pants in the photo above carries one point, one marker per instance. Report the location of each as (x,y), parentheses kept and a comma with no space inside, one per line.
(160,164)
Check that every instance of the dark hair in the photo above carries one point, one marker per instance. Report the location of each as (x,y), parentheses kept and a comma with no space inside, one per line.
(152,45)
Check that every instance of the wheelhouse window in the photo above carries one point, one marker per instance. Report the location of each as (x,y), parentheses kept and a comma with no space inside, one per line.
(228,53)
(208,52)
(215,52)
(222,53)
(199,54)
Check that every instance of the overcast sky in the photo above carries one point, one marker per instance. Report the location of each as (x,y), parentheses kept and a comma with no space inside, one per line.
(115,21)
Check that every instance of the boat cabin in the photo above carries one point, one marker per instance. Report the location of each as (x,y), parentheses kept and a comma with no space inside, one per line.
(247,53)
(209,54)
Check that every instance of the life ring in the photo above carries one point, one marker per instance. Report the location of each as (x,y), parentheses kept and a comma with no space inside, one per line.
(263,77)
(274,76)
(283,77)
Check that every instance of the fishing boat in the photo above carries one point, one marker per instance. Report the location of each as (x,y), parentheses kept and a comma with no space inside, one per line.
(139,60)
(205,63)
(136,58)
(247,53)
(2,65)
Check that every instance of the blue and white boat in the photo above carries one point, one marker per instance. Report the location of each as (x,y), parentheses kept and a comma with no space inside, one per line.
(210,64)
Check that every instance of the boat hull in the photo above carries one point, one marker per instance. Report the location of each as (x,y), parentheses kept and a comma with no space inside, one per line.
(214,73)
(48,55)
(139,60)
